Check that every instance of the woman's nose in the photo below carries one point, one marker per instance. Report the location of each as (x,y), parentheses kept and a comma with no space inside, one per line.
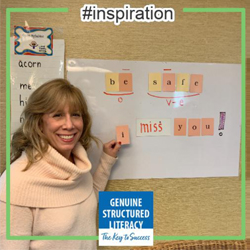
(68,124)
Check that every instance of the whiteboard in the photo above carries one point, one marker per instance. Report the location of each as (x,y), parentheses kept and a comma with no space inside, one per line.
(165,156)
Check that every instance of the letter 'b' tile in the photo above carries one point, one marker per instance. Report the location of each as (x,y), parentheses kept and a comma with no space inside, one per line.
(112,82)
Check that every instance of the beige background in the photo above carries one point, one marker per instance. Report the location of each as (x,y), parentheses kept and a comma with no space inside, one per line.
(204,206)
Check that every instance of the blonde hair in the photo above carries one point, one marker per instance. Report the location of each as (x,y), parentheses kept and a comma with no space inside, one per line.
(48,98)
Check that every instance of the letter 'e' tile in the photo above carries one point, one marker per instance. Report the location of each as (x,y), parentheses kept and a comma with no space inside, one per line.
(125,82)
(196,83)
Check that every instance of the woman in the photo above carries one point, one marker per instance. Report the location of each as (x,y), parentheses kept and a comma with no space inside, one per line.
(52,189)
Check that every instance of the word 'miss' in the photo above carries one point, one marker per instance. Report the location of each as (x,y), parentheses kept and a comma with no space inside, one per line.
(153,127)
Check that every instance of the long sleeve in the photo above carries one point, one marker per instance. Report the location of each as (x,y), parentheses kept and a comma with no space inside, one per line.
(102,173)
(21,221)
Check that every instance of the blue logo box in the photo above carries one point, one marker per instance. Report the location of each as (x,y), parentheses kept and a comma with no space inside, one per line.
(126,210)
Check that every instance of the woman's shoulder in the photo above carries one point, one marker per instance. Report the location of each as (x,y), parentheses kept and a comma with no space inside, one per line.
(15,169)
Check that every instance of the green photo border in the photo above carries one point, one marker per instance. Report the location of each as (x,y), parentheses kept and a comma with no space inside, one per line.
(243,132)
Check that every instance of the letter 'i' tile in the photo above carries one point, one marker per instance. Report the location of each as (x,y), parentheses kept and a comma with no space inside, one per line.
(122,134)
(194,127)
(196,83)
(207,127)
(168,82)
(154,82)
(125,82)
(112,82)
(183,82)
(180,126)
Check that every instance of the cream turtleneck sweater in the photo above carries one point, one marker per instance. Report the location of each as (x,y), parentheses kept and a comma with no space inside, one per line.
(53,197)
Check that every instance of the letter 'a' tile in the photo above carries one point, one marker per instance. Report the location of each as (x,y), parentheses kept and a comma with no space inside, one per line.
(194,127)
(122,134)
(125,82)
(168,82)
(207,127)
(154,82)
(196,83)
(180,126)
(182,82)
(112,82)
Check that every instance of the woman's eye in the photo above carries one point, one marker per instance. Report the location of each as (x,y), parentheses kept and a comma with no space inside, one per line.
(56,115)
(77,114)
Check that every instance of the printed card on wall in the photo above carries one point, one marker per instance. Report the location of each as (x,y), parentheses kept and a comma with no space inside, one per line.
(153,127)
(28,73)
(126,218)
(33,41)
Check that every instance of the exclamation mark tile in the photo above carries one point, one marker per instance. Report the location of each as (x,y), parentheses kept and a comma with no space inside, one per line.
(122,134)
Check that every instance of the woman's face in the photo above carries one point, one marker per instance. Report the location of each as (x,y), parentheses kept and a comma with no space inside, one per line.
(63,129)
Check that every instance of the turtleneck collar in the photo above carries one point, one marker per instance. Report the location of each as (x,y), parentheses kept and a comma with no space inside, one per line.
(53,181)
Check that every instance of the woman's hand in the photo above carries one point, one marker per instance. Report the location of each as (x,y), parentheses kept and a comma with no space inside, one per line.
(111,148)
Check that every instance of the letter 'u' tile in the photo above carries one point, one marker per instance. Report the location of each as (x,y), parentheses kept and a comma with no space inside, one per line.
(207,127)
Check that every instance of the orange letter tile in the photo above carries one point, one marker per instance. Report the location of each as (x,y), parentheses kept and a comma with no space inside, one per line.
(180,126)
(196,82)
(194,127)
(207,126)
(168,82)
(122,134)
(125,82)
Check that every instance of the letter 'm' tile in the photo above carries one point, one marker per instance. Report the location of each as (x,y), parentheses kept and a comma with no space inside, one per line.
(112,82)
(196,83)
(125,82)
(207,127)
(154,82)
(182,82)
(168,82)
